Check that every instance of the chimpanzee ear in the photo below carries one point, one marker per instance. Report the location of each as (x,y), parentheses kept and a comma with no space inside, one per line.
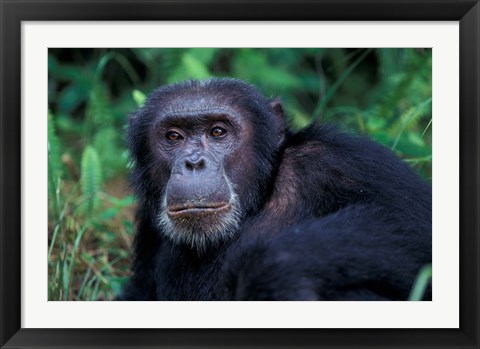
(277,108)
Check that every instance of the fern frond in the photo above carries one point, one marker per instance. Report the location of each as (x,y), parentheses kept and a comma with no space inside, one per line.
(99,112)
(91,177)
(107,144)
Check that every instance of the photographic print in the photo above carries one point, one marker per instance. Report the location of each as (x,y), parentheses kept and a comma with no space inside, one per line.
(248,174)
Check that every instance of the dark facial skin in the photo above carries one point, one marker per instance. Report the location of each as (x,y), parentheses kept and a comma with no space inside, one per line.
(200,204)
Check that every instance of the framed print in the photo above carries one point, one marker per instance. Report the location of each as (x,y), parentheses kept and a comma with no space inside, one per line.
(405,73)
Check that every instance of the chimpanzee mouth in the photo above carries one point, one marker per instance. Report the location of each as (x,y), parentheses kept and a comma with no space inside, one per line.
(200,223)
(192,210)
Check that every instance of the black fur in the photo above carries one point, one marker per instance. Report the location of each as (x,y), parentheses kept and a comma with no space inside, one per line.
(325,215)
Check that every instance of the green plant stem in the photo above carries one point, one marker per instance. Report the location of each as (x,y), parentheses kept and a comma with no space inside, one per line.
(408,118)
(122,61)
(333,89)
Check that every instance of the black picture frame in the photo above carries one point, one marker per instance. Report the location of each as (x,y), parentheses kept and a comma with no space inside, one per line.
(467,12)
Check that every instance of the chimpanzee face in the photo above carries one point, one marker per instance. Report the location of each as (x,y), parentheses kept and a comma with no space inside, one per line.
(200,203)
(203,153)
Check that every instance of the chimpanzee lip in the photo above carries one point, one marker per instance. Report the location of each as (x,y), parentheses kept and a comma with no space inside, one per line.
(195,209)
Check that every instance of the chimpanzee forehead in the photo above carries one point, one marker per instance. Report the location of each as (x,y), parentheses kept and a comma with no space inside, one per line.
(208,93)
(193,104)
(213,96)
(198,116)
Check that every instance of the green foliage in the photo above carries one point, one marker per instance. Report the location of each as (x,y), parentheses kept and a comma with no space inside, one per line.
(421,283)
(139,97)
(55,169)
(194,65)
(113,159)
(91,178)
(336,85)
(383,93)
(99,113)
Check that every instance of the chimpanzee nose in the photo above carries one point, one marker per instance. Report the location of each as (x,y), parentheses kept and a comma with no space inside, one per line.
(195,164)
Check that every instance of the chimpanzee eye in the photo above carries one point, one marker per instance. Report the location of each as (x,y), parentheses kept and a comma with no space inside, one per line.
(218,132)
(173,136)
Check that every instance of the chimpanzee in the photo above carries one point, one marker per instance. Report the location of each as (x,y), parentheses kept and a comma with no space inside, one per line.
(233,205)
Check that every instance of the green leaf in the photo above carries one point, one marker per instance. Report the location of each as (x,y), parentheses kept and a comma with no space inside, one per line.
(99,111)
(139,97)
(55,167)
(107,144)
(91,177)
(117,283)
(421,282)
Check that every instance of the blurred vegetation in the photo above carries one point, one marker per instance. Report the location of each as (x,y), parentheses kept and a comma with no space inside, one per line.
(383,93)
